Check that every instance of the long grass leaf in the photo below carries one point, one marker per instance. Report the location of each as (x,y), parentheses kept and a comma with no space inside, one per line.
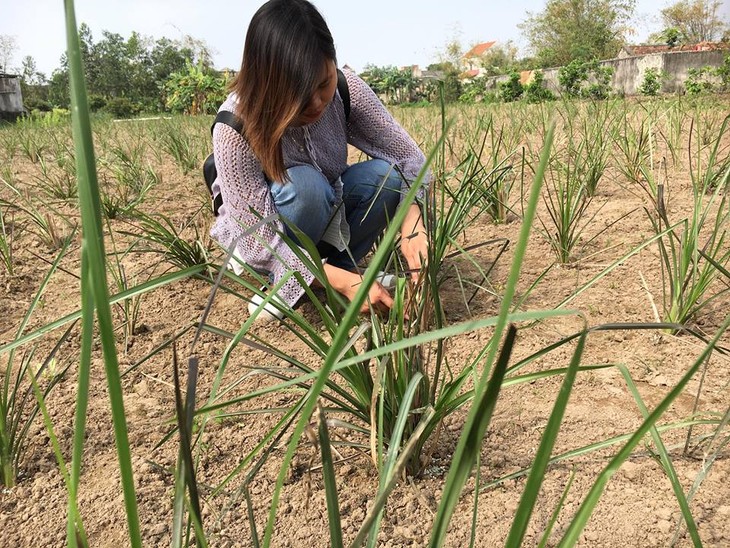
(586,508)
(93,240)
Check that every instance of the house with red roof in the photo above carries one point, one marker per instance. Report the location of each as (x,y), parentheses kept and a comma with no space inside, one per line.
(471,61)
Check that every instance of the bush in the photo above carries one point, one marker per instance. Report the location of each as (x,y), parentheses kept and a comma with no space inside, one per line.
(473,91)
(572,77)
(512,89)
(97,102)
(33,104)
(193,91)
(699,80)
(652,82)
(535,91)
(121,107)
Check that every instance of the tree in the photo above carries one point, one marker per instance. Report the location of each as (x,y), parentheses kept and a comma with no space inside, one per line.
(500,59)
(693,21)
(8,46)
(578,29)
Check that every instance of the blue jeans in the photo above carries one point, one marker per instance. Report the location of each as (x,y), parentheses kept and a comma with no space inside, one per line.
(371,194)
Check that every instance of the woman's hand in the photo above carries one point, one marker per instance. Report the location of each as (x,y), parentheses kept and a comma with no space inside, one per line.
(348,283)
(414,241)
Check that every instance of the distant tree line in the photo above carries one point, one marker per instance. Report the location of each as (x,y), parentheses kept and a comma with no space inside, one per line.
(128,76)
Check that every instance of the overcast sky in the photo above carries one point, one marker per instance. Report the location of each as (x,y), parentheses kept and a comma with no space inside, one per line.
(382,32)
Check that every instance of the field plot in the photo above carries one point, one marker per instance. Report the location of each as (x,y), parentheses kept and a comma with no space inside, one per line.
(628,239)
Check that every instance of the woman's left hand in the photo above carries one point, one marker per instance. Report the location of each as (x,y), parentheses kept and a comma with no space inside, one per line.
(414,241)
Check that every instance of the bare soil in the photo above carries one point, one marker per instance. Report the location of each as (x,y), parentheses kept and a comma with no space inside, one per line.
(638,507)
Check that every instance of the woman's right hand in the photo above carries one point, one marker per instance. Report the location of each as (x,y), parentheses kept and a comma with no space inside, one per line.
(348,284)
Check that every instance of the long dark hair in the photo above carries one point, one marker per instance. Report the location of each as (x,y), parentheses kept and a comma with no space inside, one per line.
(287,44)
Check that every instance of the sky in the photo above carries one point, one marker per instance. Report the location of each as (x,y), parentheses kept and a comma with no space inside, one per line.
(381,32)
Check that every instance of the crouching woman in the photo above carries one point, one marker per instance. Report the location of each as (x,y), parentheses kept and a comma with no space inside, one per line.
(291,158)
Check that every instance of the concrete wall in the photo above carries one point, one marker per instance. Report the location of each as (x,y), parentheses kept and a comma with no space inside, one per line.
(629,71)
(11,100)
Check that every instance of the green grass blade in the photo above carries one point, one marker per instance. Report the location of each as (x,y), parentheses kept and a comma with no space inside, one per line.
(470,442)
(556,512)
(96,282)
(79,533)
(330,483)
(665,460)
(586,508)
(464,456)
(532,487)
(82,397)
(385,490)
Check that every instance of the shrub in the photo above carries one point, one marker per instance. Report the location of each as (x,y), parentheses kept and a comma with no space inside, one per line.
(512,89)
(473,91)
(40,105)
(97,102)
(121,107)
(535,91)
(572,77)
(699,80)
(652,82)
(193,91)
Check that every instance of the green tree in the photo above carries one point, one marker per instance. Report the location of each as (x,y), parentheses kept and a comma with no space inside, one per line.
(577,29)
(500,59)
(693,21)
(133,69)
(32,86)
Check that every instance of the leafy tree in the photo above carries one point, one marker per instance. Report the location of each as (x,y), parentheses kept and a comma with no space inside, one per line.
(134,69)
(394,84)
(577,29)
(35,93)
(500,59)
(692,21)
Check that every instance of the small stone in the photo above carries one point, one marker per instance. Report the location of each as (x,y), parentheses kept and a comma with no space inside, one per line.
(664,513)
(630,469)
(664,526)
(659,380)
(158,530)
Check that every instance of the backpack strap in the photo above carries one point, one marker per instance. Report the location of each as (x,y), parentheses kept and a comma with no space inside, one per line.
(229,119)
(344,92)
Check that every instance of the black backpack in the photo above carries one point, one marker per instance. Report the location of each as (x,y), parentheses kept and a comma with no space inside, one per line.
(225,117)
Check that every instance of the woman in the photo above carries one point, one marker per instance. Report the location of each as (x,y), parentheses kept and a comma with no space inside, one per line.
(291,158)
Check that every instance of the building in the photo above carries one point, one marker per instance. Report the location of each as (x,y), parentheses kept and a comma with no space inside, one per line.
(471,62)
(11,99)
(647,49)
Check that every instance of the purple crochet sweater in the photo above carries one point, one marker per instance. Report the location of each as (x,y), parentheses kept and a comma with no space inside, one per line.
(370,128)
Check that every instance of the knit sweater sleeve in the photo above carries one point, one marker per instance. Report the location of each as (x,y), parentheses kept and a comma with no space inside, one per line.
(247,199)
(372,129)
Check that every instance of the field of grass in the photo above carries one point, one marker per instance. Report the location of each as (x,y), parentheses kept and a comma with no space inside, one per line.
(557,376)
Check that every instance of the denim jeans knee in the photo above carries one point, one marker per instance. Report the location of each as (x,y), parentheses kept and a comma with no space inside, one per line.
(306,200)
(371,194)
